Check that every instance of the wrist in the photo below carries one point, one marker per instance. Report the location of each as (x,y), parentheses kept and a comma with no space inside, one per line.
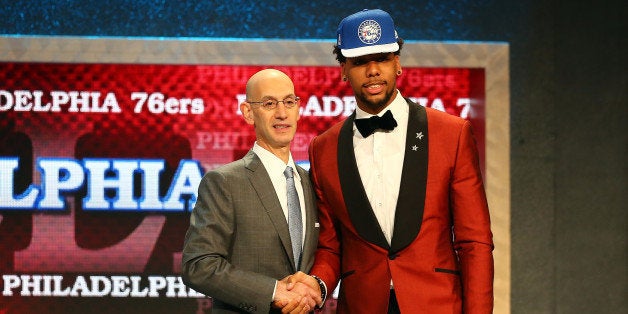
(323,287)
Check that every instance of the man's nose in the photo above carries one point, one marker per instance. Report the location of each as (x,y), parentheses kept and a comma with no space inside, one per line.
(281,111)
(372,69)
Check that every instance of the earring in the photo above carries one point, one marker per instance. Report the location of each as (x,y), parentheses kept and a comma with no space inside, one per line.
(398,72)
(344,78)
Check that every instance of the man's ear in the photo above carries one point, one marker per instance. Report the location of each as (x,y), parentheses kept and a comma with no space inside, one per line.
(398,65)
(247,113)
(343,76)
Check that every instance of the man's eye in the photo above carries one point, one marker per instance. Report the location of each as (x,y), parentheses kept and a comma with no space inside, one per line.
(269,104)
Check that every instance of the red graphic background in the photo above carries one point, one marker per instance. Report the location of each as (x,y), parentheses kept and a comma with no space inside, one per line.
(77,242)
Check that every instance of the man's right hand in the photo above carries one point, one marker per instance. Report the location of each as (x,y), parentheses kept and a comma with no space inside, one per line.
(301,281)
(300,298)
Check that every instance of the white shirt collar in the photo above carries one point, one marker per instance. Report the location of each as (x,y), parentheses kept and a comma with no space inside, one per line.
(272,163)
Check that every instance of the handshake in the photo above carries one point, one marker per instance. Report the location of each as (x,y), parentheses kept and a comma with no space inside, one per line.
(297,293)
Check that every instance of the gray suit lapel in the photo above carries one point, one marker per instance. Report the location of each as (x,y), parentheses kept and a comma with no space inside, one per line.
(260,180)
(311,233)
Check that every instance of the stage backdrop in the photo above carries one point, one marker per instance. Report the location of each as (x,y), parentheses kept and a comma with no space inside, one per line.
(104,141)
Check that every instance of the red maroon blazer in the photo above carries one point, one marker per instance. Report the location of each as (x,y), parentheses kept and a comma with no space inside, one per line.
(440,258)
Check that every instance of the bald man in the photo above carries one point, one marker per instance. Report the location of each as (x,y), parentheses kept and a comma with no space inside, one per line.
(239,245)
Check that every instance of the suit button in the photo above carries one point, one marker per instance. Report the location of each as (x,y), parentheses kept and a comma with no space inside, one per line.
(392,256)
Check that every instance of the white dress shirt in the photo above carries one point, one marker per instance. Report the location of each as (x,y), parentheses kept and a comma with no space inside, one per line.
(379,158)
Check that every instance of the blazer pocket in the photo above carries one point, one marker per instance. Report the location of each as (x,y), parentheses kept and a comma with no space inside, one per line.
(447,271)
(347,274)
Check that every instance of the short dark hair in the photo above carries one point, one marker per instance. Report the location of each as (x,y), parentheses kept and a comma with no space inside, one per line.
(343,59)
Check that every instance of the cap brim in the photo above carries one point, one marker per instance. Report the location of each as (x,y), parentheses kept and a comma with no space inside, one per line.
(369,50)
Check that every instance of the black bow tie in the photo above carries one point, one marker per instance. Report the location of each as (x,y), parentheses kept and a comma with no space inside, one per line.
(369,125)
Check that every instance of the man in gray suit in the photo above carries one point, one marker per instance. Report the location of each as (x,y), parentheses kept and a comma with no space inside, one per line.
(238,248)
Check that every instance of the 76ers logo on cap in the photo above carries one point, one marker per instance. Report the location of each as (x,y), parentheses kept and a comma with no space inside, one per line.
(369,32)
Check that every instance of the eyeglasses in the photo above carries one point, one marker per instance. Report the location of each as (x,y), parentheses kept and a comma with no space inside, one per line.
(270,104)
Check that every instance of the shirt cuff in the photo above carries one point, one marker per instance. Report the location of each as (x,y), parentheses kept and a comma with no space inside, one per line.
(274,291)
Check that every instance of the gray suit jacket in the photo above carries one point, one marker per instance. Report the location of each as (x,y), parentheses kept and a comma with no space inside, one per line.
(238,242)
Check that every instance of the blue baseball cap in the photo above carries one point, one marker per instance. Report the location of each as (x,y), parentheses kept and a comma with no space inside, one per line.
(367,32)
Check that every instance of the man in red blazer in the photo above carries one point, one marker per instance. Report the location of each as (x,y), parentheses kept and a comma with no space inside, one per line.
(404,221)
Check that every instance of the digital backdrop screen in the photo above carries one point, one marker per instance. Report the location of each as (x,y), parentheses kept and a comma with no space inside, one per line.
(100,162)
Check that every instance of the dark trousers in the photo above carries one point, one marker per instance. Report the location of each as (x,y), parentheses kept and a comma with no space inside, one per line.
(393,306)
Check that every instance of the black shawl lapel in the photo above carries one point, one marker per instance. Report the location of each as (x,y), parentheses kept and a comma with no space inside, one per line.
(411,201)
(356,201)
